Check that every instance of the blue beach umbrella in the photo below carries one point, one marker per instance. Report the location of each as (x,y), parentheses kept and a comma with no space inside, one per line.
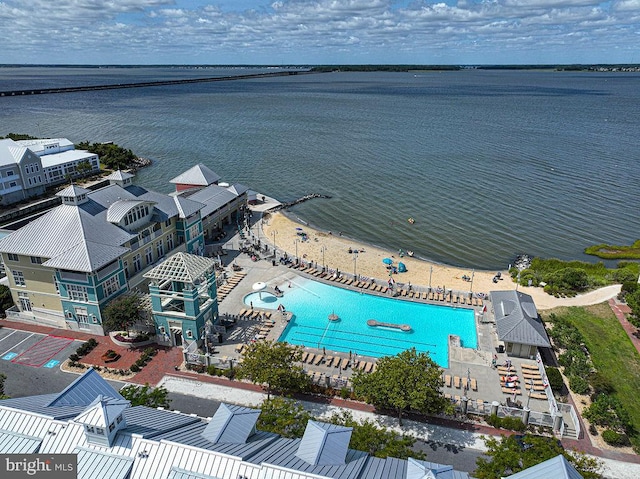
(387,261)
(401,268)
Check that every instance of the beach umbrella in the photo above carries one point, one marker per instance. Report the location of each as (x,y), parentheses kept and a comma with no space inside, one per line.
(401,268)
(387,261)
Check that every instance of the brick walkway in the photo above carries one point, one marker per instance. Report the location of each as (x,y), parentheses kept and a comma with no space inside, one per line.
(621,311)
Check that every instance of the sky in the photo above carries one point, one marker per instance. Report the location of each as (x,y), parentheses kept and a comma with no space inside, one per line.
(301,32)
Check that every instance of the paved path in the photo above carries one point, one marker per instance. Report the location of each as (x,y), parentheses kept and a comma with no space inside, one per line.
(621,311)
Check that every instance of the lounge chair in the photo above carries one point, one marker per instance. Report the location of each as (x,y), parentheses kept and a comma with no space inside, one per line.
(518,392)
(447,380)
(311,358)
(539,395)
(242,312)
(304,357)
(529,366)
(328,361)
(447,396)
(318,359)
(456,399)
(240,347)
(474,384)
(456,381)
(465,383)
(344,364)
(368,367)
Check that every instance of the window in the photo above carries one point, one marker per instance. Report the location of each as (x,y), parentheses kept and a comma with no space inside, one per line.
(100,431)
(148,255)
(13,184)
(77,293)
(160,249)
(82,317)
(167,223)
(112,426)
(36,260)
(25,303)
(137,264)
(13,257)
(90,429)
(119,419)
(9,173)
(56,284)
(170,242)
(18,278)
(194,231)
(111,286)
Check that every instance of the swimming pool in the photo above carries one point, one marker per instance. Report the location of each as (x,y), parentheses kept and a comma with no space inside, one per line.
(312,302)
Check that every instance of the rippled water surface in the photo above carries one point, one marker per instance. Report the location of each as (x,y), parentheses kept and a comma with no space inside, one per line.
(488,163)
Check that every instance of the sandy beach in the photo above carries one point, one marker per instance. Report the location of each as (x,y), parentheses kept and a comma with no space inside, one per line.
(333,250)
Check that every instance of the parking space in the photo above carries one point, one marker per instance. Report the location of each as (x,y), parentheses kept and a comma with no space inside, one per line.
(34,349)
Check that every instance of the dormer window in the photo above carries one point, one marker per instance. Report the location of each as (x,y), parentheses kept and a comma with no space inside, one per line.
(90,429)
(112,426)
(100,431)
(119,419)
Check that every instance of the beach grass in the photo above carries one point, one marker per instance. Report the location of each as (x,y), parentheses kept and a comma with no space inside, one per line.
(612,352)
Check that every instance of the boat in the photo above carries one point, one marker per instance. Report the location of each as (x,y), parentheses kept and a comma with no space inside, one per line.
(409,253)
(411,220)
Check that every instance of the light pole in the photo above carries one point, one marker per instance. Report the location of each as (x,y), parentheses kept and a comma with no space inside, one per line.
(274,233)
(296,242)
(323,249)
(430,273)
(355,262)
(473,272)
(530,389)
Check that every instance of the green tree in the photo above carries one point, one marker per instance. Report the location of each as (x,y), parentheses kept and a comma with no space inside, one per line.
(146,395)
(512,454)
(378,441)
(121,313)
(6,300)
(274,365)
(3,377)
(83,168)
(409,381)
(283,416)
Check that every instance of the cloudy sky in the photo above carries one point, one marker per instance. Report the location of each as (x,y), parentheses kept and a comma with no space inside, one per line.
(319,31)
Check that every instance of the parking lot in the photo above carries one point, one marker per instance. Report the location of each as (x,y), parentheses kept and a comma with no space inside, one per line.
(34,349)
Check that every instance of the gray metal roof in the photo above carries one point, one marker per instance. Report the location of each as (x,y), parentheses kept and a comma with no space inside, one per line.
(324,444)
(282,453)
(231,424)
(102,411)
(97,464)
(72,191)
(557,468)
(148,422)
(60,231)
(119,175)
(15,443)
(84,390)
(36,405)
(214,197)
(86,257)
(10,152)
(199,175)
(187,207)
(119,209)
(238,189)
(177,473)
(517,319)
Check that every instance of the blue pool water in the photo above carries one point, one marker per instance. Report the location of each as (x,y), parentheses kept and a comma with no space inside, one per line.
(311,304)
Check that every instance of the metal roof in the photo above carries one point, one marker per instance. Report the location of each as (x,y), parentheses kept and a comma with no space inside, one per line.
(214,197)
(231,424)
(36,406)
(119,175)
(63,157)
(324,444)
(10,152)
(177,473)
(102,412)
(557,467)
(61,230)
(199,175)
(238,189)
(73,191)
(517,319)
(182,267)
(84,390)
(186,207)
(119,209)
(93,464)
(15,443)
(86,257)
(37,144)
(148,422)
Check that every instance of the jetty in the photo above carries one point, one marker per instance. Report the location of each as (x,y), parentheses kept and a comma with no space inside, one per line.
(283,206)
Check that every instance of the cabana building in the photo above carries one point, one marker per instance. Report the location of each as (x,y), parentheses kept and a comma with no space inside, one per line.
(518,325)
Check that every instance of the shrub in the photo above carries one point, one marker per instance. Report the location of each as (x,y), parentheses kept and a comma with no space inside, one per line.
(555,378)
(74,357)
(600,385)
(134,368)
(513,423)
(140,362)
(579,385)
(92,342)
(614,439)
(150,351)
(229,373)
(593,430)
(345,393)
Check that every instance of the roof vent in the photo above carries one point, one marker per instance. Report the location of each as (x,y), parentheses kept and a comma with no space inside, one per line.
(324,444)
(231,424)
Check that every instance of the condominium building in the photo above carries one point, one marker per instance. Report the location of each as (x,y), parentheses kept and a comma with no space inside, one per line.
(65,266)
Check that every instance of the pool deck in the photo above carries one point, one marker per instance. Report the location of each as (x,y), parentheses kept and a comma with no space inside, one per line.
(336,368)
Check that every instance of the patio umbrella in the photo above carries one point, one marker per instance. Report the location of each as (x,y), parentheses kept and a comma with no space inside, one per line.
(259,286)
(298,229)
(387,261)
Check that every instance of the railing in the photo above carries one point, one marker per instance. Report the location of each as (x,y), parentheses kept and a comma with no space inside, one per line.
(574,416)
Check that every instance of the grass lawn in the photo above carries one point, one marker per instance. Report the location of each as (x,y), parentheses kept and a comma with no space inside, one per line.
(611,350)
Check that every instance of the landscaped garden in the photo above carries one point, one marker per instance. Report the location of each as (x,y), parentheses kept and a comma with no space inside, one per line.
(600,360)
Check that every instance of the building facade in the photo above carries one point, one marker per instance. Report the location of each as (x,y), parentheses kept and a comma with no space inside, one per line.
(65,266)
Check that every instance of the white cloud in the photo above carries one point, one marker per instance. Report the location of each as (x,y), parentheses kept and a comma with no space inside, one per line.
(422,31)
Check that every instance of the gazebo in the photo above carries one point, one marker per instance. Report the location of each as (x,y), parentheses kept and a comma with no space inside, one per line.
(183,298)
